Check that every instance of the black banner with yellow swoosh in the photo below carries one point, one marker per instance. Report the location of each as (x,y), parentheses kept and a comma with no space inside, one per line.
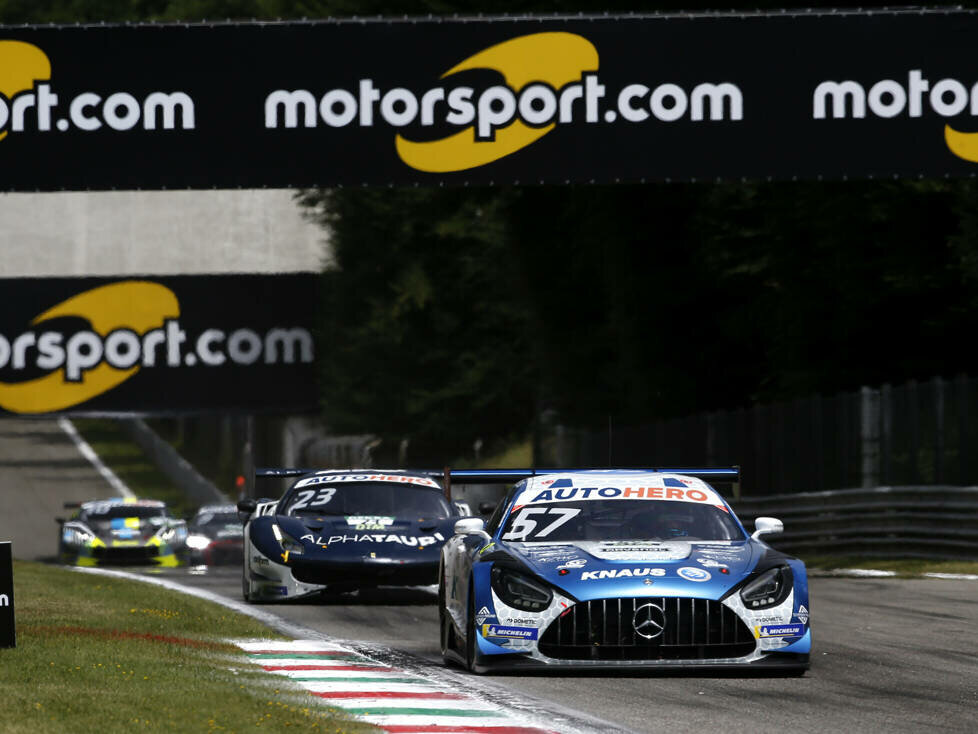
(158,345)
(506,100)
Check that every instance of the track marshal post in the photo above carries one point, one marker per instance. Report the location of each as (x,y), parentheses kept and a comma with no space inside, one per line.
(8,636)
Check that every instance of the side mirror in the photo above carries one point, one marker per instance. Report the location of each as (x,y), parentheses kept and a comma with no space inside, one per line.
(767,526)
(486,508)
(471,526)
(59,520)
(247,505)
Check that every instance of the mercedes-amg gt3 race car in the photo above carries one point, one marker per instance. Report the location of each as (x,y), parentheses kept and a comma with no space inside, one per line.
(344,530)
(122,532)
(621,569)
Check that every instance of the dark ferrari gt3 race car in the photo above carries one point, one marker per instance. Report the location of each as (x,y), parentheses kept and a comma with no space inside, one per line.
(122,532)
(621,569)
(215,536)
(344,530)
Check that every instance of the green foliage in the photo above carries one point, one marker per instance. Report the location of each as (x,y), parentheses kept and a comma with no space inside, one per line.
(422,334)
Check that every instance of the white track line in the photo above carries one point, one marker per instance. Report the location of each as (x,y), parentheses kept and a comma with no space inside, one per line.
(89,453)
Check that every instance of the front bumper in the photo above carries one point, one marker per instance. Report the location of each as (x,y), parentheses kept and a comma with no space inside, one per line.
(298,577)
(150,554)
(691,634)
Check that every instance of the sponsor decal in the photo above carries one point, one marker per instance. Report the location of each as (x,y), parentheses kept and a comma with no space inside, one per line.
(512,633)
(275,590)
(132,325)
(636,549)
(482,615)
(563,490)
(802,614)
(710,563)
(621,573)
(781,630)
(550,79)
(4,600)
(369,522)
(30,102)
(691,573)
(260,561)
(521,621)
(410,540)
(339,478)
(575,563)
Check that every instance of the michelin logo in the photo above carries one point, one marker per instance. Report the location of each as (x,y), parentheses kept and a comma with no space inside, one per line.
(512,633)
(780,630)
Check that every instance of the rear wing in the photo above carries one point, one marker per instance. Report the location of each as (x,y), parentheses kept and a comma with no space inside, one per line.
(726,474)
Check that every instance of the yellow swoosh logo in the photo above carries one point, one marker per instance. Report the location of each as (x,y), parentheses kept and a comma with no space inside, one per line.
(133,304)
(556,58)
(963,145)
(21,64)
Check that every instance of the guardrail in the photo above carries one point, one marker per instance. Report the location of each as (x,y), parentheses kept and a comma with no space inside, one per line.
(936,522)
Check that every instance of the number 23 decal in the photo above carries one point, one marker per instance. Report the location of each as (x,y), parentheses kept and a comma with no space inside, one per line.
(322,497)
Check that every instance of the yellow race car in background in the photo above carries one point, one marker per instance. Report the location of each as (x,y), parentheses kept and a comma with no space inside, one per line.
(122,532)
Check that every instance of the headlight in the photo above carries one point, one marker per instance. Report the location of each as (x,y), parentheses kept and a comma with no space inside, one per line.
(74,536)
(769,589)
(520,591)
(287,541)
(198,542)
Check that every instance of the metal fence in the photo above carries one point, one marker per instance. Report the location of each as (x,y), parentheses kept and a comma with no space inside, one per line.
(914,522)
(915,433)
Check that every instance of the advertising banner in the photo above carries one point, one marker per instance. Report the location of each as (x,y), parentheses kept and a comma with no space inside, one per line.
(8,629)
(158,345)
(529,100)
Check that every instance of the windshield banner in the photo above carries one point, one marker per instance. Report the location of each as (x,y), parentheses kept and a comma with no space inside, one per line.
(158,345)
(699,97)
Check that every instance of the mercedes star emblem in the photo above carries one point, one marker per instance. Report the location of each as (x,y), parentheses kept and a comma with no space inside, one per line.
(649,621)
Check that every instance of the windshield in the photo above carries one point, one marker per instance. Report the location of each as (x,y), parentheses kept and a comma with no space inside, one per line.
(620,520)
(216,519)
(365,498)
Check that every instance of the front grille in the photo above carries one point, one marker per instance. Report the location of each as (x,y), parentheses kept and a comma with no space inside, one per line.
(604,629)
(125,555)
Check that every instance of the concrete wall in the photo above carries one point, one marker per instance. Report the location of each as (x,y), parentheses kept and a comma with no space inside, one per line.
(157,233)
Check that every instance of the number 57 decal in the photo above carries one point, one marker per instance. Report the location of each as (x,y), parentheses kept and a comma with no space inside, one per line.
(523,525)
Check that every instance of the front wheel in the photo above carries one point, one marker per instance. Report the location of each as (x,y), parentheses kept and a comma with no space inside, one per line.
(245,585)
(470,644)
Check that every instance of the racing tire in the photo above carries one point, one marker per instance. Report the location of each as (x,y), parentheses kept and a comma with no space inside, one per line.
(245,586)
(470,644)
(444,626)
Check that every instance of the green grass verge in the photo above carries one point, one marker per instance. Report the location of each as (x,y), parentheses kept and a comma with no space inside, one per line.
(130,464)
(907,567)
(109,655)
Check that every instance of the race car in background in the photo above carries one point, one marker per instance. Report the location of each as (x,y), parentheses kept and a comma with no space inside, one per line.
(621,569)
(121,532)
(342,531)
(215,536)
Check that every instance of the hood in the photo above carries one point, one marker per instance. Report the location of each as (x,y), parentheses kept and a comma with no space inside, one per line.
(603,569)
(127,528)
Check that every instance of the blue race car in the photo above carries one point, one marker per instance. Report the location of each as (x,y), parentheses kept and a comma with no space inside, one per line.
(342,531)
(619,569)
